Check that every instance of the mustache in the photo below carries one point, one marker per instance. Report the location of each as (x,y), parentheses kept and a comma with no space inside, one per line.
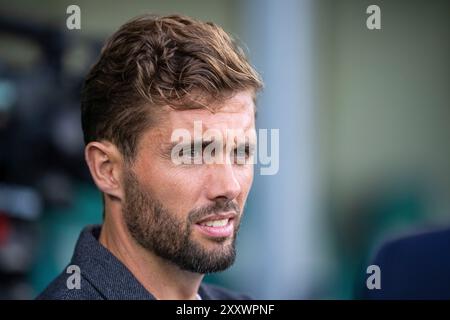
(215,208)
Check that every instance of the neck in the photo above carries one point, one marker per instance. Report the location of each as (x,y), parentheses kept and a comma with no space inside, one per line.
(160,277)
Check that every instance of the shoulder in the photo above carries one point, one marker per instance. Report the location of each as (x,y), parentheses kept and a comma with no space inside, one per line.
(420,245)
(213,292)
(58,290)
(414,267)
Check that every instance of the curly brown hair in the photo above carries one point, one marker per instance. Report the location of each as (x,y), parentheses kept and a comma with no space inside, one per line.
(154,61)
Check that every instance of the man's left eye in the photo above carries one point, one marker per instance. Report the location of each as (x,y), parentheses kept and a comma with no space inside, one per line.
(191,153)
(195,153)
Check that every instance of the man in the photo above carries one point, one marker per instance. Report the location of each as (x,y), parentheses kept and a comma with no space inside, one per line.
(166,223)
(414,267)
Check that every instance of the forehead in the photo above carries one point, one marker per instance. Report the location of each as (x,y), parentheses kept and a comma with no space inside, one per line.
(237,112)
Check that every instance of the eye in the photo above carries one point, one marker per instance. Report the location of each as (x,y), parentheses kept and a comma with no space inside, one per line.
(190,152)
(242,152)
(193,153)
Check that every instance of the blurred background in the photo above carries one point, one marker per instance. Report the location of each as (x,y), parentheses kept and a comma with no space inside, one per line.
(364,136)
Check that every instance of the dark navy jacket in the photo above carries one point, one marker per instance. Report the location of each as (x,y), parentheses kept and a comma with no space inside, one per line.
(414,267)
(104,277)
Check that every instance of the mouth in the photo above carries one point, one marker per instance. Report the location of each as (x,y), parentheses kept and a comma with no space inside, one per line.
(217,226)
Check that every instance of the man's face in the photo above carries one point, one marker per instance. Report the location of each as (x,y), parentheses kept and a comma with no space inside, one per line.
(189,214)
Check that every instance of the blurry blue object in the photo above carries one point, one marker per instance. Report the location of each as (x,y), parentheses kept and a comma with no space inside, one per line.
(8,95)
(414,267)
(20,202)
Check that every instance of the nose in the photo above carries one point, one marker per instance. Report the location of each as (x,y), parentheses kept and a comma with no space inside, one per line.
(223,183)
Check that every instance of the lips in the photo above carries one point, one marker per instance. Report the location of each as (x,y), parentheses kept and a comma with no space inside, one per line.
(217,225)
(217,217)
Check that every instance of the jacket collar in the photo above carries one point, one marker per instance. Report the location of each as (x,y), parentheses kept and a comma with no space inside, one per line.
(110,277)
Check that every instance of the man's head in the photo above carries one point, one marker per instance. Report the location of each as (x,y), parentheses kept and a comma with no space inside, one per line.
(157,75)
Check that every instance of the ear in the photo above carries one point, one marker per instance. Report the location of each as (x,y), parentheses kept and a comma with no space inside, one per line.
(105,163)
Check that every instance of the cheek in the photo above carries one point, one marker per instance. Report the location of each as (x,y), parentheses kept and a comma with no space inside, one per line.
(177,188)
(162,182)
(245,177)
